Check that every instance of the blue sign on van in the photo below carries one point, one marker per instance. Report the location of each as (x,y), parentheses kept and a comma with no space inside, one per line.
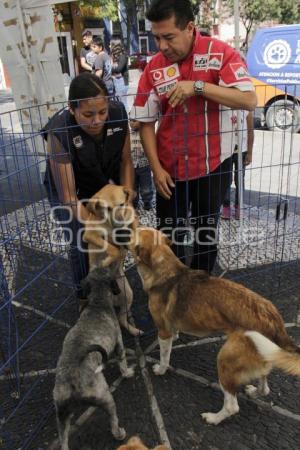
(274,57)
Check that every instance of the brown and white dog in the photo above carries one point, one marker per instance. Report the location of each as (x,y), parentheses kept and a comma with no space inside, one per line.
(135,443)
(111,211)
(191,301)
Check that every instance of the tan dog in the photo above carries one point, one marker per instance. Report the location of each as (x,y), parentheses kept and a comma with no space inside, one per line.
(190,301)
(135,443)
(111,210)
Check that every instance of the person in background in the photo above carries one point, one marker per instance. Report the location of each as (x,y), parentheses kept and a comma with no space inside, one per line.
(184,86)
(246,134)
(142,172)
(84,156)
(102,66)
(119,70)
(87,56)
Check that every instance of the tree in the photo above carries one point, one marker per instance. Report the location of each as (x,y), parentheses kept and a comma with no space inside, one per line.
(107,8)
(288,11)
(129,17)
(253,12)
(116,9)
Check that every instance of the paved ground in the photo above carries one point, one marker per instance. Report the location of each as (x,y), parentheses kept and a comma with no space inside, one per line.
(157,408)
(166,408)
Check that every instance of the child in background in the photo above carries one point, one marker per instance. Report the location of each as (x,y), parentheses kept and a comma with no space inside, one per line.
(143,176)
(119,70)
(246,142)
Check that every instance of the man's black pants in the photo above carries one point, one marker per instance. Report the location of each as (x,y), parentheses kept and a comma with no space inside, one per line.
(197,203)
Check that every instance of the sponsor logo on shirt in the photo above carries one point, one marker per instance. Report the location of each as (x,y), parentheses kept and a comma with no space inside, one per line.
(164,88)
(215,61)
(78,142)
(239,71)
(165,74)
(200,62)
(212,61)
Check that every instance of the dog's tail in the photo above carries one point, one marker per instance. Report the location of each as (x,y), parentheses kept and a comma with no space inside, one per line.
(288,361)
(94,348)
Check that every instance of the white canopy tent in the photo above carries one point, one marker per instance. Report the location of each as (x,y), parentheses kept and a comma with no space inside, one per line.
(29,50)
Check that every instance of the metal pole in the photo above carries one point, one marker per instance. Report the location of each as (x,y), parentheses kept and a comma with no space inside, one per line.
(239,131)
(236,24)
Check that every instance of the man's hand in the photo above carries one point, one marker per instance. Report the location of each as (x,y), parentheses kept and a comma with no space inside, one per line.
(163,182)
(179,93)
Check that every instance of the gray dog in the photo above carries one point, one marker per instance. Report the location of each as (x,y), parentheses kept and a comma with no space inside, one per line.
(79,377)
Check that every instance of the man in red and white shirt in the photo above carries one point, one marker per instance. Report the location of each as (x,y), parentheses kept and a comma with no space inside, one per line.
(190,87)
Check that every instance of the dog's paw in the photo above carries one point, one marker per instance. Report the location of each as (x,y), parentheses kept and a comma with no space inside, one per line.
(137,332)
(128,373)
(251,391)
(211,418)
(175,336)
(159,370)
(119,434)
(134,331)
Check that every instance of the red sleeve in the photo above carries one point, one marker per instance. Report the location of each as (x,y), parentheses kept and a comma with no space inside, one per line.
(146,105)
(234,72)
(145,87)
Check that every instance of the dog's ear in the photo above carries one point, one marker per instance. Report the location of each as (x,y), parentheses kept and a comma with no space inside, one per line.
(134,443)
(143,255)
(130,194)
(95,207)
(135,440)
(90,206)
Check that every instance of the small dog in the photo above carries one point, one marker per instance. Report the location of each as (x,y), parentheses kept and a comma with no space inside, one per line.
(79,377)
(135,443)
(112,220)
(191,301)
(111,213)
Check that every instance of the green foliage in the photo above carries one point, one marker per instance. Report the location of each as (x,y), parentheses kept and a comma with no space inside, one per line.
(254,12)
(288,11)
(108,8)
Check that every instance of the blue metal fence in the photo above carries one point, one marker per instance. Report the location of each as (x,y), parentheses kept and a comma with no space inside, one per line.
(37,304)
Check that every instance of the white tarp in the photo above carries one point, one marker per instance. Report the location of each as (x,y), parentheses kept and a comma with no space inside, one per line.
(29,50)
